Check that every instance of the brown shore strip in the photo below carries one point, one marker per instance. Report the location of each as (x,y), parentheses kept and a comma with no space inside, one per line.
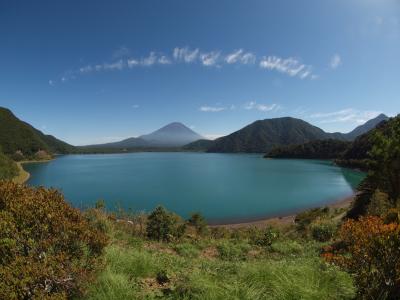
(285,220)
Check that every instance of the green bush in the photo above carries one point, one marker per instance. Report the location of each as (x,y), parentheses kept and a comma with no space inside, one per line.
(304,219)
(164,226)
(47,248)
(323,230)
(264,238)
(198,222)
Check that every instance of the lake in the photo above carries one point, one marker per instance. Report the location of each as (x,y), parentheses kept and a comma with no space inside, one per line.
(223,187)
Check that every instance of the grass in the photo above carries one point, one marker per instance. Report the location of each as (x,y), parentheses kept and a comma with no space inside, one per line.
(223,268)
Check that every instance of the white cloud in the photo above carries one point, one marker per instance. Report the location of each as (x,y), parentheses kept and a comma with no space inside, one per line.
(121,52)
(135,106)
(132,62)
(119,65)
(261,107)
(51,82)
(234,56)
(210,59)
(150,60)
(239,56)
(212,108)
(349,115)
(86,69)
(289,66)
(336,61)
(185,54)
(163,60)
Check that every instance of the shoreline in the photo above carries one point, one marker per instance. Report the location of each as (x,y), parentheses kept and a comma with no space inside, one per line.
(285,220)
(23,176)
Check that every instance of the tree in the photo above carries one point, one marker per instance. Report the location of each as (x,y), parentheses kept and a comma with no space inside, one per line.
(386,159)
(198,222)
(163,225)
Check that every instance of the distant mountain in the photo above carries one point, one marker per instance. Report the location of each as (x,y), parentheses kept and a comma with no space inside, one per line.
(264,135)
(371,124)
(173,135)
(16,135)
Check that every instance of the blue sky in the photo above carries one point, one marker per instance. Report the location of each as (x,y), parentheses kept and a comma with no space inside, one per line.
(97,71)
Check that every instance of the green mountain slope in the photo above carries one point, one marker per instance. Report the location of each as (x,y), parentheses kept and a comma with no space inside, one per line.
(8,168)
(16,135)
(262,136)
(321,149)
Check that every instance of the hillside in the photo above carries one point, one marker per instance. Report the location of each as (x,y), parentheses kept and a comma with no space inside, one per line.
(16,135)
(8,168)
(263,136)
(320,149)
(199,145)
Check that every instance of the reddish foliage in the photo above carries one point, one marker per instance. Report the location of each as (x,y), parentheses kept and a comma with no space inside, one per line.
(47,248)
(370,249)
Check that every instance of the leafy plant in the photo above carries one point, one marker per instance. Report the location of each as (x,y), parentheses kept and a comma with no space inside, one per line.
(47,248)
(370,249)
(164,226)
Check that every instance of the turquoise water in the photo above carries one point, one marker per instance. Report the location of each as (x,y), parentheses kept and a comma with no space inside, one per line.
(223,187)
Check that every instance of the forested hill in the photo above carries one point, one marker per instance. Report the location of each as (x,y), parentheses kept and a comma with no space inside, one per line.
(351,154)
(264,135)
(16,135)
(321,149)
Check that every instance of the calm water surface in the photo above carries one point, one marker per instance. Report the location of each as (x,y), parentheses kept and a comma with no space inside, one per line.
(223,187)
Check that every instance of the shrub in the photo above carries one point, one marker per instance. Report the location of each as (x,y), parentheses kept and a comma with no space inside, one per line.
(219,232)
(370,249)
(323,230)
(265,238)
(198,222)
(47,248)
(304,219)
(164,226)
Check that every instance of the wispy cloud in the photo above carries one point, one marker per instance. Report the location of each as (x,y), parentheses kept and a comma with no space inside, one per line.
(290,66)
(261,107)
(135,106)
(335,62)
(51,82)
(210,59)
(240,56)
(186,54)
(215,58)
(349,115)
(212,108)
